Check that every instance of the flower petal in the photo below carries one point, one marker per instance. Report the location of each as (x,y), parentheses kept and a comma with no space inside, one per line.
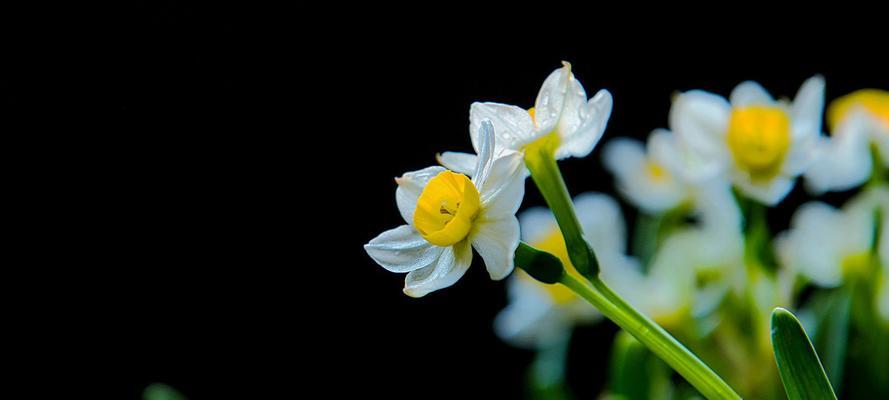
(842,161)
(552,96)
(602,222)
(626,159)
(402,250)
(537,224)
(485,153)
(700,120)
(593,117)
(666,149)
(513,126)
(768,193)
(410,186)
(503,190)
(808,107)
(447,270)
(463,163)
(530,320)
(812,245)
(750,93)
(496,241)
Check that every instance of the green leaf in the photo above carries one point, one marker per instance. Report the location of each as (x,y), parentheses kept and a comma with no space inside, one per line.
(160,391)
(832,311)
(800,369)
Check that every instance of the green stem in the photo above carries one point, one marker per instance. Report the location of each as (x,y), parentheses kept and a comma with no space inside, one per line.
(654,337)
(546,175)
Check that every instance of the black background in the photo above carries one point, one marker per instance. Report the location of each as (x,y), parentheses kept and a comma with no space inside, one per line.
(218,178)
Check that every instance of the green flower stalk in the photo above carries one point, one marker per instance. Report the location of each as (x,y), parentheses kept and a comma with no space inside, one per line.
(540,160)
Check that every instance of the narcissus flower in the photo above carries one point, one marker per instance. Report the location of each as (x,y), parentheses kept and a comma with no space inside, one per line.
(858,122)
(642,175)
(448,214)
(827,245)
(562,120)
(763,144)
(540,315)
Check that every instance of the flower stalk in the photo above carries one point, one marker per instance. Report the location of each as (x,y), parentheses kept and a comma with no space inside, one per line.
(545,172)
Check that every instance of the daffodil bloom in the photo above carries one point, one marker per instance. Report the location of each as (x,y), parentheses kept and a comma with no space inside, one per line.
(540,315)
(448,214)
(762,144)
(562,120)
(857,121)
(642,175)
(827,245)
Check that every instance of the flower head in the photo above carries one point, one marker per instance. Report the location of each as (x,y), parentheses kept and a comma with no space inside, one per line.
(448,214)
(826,244)
(762,144)
(858,121)
(562,120)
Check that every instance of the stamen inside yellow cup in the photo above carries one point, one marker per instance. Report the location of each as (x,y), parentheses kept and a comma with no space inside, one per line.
(759,139)
(446,208)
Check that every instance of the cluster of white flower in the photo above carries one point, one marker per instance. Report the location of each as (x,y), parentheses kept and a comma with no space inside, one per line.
(702,252)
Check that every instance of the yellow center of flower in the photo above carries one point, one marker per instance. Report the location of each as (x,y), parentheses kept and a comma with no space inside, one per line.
(446,208)
(759,138)
(656,172)
(874,101)
(554,244)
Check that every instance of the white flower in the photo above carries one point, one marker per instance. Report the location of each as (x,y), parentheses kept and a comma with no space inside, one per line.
(641,177)
(858,121)
(562,118)
(825,244)
(540,315)
(447,214)
(763,144)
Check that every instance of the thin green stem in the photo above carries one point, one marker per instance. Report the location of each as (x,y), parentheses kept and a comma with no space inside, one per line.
(546,175)
(654,337)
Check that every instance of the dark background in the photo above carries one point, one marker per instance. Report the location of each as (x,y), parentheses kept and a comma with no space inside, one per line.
(218,171)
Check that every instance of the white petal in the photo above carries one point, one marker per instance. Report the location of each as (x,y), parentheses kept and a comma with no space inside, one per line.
(800,156)
(410,186)
(573,108)
(463,163)
(602,222)
(513,126)
(623,154)
(447,270)
(716,208)
(530,319)
(816,243)
(579,141)
(485,153)
(700,120)
(808,107)
(502,192)
(666,149)
(842,161)
(750,93)
(769,193)
(496,241)
(551,98)
(537,224)
(627,160)
(402,250)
